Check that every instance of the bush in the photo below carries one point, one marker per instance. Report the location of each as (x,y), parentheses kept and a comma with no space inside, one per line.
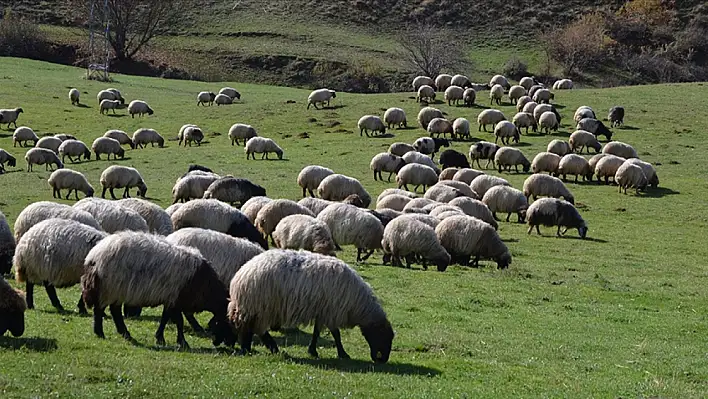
(20,38)
(515,68)
(578,45)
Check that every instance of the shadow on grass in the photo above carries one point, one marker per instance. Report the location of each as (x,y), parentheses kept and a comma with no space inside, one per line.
(382,136)
(627,127)
(116,115)
(297,337)
(361,366)
(520,144)
(338,106)
(561,134)
(8,135)
(659,192)
(558,106)
(35,344)
(568,236)
(82,105)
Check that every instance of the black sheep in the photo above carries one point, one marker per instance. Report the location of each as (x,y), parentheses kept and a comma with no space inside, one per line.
(453,159)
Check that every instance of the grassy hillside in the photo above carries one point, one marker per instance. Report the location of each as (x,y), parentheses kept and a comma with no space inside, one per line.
(621,314)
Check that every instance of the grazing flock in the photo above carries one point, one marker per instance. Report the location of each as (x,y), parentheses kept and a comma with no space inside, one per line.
(209,250)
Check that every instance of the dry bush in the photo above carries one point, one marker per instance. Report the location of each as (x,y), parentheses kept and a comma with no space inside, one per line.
(20,37)
(429,50)
(579,44)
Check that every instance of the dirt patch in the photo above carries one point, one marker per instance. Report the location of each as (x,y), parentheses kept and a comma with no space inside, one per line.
(333,123)
(303,135)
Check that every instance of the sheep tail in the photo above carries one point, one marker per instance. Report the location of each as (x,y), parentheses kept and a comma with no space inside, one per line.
(91,284)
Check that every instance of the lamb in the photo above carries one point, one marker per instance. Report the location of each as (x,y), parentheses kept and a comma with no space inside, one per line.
(320,96)
(563,84)
(463,236)
(304,232)
(143,136)
(22,135)
(335,296)
(423,80)
(139,269)
(52,253)
(543,96)
(350,225)
(616,116)
(251,207)
(500,80)
(110,94)
(515,93)
(583,112)
(620,149)
(521,103)
(469,96)
(452,158)
(241,131)
(461,81)
(71,179)
(107,145)
(454,94)
(234,190)
(218,216)
(12,310)
(425,93)
(595,127)
(538,185)
(50,143)
(495,94)
(400,149)
(107,105)
(74,148)
(630,175)
(158,220)
(223,99)
(461,128)
(231,92)
(117,176)
(524,120)
(10,116)
(416,157)
(262,145)
(573,164)
(74,95)
(442,193)
(607,167)
(139,107)
(427,114)
(483,150)
(583,139)
(42,210)
(408,238)
(42,156)
(191,133)
(371,123)
(192,186)
(506,131)
(111,216)
(311,176)
(338,187)
(205,97)
(386,162)
(527,81)
(507,157)
(7,246)
(417,175)
(6,157)
(439,126)
(274,211)
(546,162)
(489,117)
(555,212)
(548,121)
(476,208)
(395,117)
(559,147)
(394,201)
(507,200)
(466,175)
(119,135)
(482,183)
(648,169)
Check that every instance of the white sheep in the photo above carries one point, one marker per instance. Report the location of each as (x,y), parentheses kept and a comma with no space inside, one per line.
(143,136)
(630,175)
(417,204)
(107,105)
(583,139)
(74,148)
(559,147)
(157,219)
(443,81)
(573,164)
(173,208)
(320,96)
(417,157)
(110,94)
(620,149)
(466,175)
(424,145)
(350,225)
(595,127)
(400,149)
(543,96)
(527,81)
(74,95)
(50,143)
(495,94)
(545,162)
(371,123)
(251,207)
(69,179)
(461,128)
(205,97)
(442,193)
(454,94)
(425,93)
(262,145)
(42,156)
(438,126)
(417,175)
(515,93)
(482,183)
(337,187)
(315,205)
(548,121)
(310,178)
(483,150)
(463,236)
(530,107)
(121,136)
(506,157)
(274,211)
(385,162)
(461,81)
(304,232)
(391,191)
(563,84)
(10,116)
(427,114)
(64,136)
(231,92)
(583,112)
(107,145)
(223,99)
(393,201)
(241,131)
(192,186)
(469,96)
(476,208)
(489,117)
(43,210)
(22,135)
(407,238)
(507,200)
(111,216)
(524,120)
(521,102)
(395,117)
(423,80)
(540,109)
(117,176)
(540,185)
(648,169)
(499,80)
(607,166)
(506,131)
(139,107)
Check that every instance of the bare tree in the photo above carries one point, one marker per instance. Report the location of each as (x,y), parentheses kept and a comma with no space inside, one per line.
(430,50)
(578,44)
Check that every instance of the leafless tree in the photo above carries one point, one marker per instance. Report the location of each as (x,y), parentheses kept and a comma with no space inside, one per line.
(430,50)
(577,45)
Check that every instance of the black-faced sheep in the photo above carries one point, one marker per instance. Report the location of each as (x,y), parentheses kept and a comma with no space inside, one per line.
(555,212)
(595,127)
(12,310)
(234,190)
(616,116)
(386,162)
(452,158)
(7,246)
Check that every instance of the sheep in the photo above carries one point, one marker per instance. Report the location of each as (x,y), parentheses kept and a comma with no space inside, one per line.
(476,208)
(515,93)
(630,175)
(543,96)
(311,176)
(524,120)
(233,190)
(139,107)
(274,211)
(199,173)
(241,131)
(469,96)
(338,187)
(110,94)
(483,150)
(466,175)
(64,136)
(42,210)
(583,139)
(616,116)
(417,204)
(315,205)
(555,212)
(559,147)
(143,136)
(500,80)
(425,93)
(648,169)
(454,94)
(507,200)
(521,102)
(546,162)
(22,135)
(119,135)
(205,97)
(157,219)
(231,92)
(583,112)
(52,253)
(417,157)
(400,149)
(423,80)
(423,218)
(262,145)
(42,156)
(192,186)
(223,99)
(335,296)
(117,176)
(563,84)
(74,148)
(180,134)
(428,145)
(50,143)
(495,94)
(489,117)
(12,310)
(529,107)
(71,179)
(320,96)
(527,81)
(573,164)
(218,216)
(540,109)
(439,126)
(461,128)
(107,105)
(391,191)
(482,183)
(350,225)
(443,81)
(548,121)
(371,123)
(111,216)
(507,131)
(442,211)
(463,236)
(172,209)
(620,149)
(251,207)
(179,278)
(452,158)
(442,193)
(408,238)
(427,114)
(595,127)
(417,175)
(447,173)
(7,246)
(395,117)
(461,81)
(107,145)
(507,157)
(394,201)
(74,95)
(386,162)
(10,116)
(538,185)
(304,232)
(594,160)
(607,167)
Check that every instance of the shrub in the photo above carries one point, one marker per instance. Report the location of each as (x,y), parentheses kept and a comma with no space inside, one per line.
(20,38)
(579,44)
(515,68)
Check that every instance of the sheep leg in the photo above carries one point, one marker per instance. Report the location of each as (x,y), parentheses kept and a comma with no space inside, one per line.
(338,342)
(160,333)
(76,194)
(269,342)
(118,320)
(68,194)
(179,321)
(126,193)
(29,287)
(368,254)
(193,323)
(82,306)
(508,216)
(558,233)
(245,339)
(54,193)
(312,349)
(98,314)
(375,177)
(312,194)
(389,176)
(304,192)
(52,292)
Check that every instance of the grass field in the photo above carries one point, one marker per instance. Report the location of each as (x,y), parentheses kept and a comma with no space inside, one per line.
(621,314)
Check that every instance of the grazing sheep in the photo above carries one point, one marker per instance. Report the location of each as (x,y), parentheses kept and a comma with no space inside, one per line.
(119,135)
(583,112)
(441,211)
(66,178)
(539,185)
(500,80)
(350,225)
(371,123)
(416,206)
(648,170)
(607,167)
(447,174)
(386,162)
(304,232)
(10,116)
(262,145)
(452,158)
(507,157)
(74,95)
(172,209)
(443,81)
(117,176)
(241,131)
(543,96)
(251,207)
(620,149)
(616,116)
(529,107)
(454,94)
(630,175)
(442,193)
(50,143)
(400,149)
(563,84)
(548,121)
(315,205)
(395,117)
(496,93)
(157,219)
(191,133)
(6,157)
(540,109)
(338,187)
(110,94)
(461,128)
(408,238)
(107,145)
(417,175)
(594,160)
(12,310)
(423,80)
(546,162)
(74,148)
(483,150)
(521,103)
(205,97)
(425,93)
(143,136)
(506,131)
(42,156)
(524,120)
(417,157)
(595,127)
(7,246)
(515,93)
(423,218)
(439,126)
(42,210)
(527,81)
(223,99)
(489,117)
(231,92)
(218,216)
(311,176)
(139,269)
(427,114)
(393,201)
(320,96)
(469,96)
(507,200)
(429,145)
(582,139)
(559,147)
(555,212)
(22,135)
(233,190)
(573,164)
(52,253)
(482,183)
(463,236)
(274,211)
(466,175)
(289,288)
(64,136)
(139,107)
(476,208)
(111,216)
(107,105)
(192,186)
(461,81)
